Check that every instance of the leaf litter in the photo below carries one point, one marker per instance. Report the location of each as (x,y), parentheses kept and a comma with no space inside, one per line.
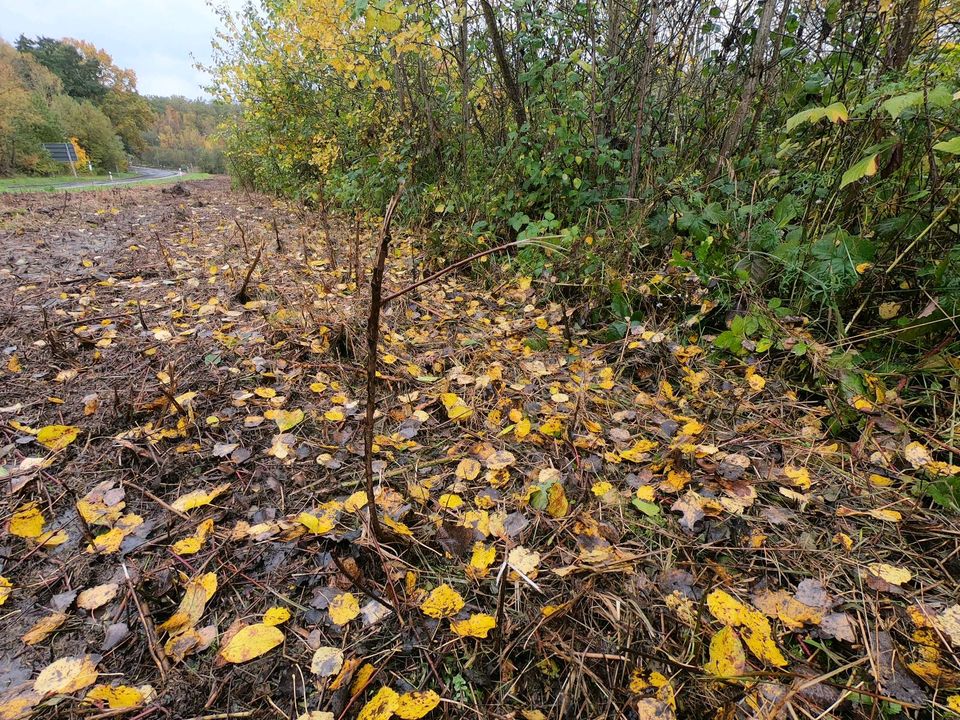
(576,526)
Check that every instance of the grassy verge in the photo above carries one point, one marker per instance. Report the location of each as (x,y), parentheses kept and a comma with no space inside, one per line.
(22,184)
(15,185)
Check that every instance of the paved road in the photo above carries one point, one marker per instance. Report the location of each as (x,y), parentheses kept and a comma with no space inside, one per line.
(142,173)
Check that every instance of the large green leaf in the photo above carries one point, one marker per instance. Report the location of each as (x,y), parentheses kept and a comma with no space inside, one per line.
(835,113)
(867,166)
(940,96)
(951,146)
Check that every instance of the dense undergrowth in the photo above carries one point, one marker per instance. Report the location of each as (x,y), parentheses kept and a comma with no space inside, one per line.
(797,160)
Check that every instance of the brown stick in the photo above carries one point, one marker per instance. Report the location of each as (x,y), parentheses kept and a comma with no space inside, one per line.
(242,292)
(373,337)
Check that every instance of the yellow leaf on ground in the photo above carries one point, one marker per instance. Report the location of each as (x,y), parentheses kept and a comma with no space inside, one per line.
(251,642)
(414,705)
(481,560)
(344,608)
(276,616)
(285,419)
(327,661)
(477,625)
(27,521)
(117,697)
(18,706)
(44,627)
(318,525)
(192,544)
(523,561)
(727,657)
(264,392)
(6,587)
(381,706)
(66,675)
(917,455)
(57,437)
(891,573)
(198,498)
(97,596)
(557,503)
(443,601)
(468,469)
(457,409)
(756,630)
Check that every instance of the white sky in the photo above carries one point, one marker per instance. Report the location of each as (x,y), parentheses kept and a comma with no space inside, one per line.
(159,39)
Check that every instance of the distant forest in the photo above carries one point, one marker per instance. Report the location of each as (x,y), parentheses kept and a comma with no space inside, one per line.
(69,90)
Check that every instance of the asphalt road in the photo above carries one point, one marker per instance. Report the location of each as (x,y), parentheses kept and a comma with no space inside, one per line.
(143,173)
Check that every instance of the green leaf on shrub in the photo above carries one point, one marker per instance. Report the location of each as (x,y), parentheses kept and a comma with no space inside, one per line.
(951,146)
(867,166)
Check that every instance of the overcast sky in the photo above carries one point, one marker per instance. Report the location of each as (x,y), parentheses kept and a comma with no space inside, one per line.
(158,39)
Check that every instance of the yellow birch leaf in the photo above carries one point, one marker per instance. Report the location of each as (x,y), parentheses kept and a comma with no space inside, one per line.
(523,561)
(477,625)
(727,657)
(317,525)
(450,501)
(890,573)
(57,437)
(27,521)
(276,616)
(468,469)
(285,419)
(108,542)
(481,560)
(414,705)
(381,706)
(97,596)
(344,608)
(457,409)
(6,587)
(557,503)
(756,632)
(199,498)
(443,601)
(327,661)
(66,675)
(117,697)
(192,544)
(360,679)
(251,642)
(44,627)
(264,392)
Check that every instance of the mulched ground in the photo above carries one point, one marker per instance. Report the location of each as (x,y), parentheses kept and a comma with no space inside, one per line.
(652,533)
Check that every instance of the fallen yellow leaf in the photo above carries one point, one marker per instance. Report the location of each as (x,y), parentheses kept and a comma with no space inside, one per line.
(344,608)
(57,437)
(381,706)
(443,601)
(198,498)
(66,675)
(414,705)
(727,657)
(477,625)
(251,642)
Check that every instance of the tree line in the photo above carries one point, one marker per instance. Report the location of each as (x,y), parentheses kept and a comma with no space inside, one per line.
(70,90)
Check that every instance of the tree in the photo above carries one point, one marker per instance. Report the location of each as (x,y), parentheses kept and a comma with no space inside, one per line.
(81,76)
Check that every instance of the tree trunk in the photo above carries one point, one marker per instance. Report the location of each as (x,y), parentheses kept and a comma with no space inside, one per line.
(757,60)
(509,82)
(645,78)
